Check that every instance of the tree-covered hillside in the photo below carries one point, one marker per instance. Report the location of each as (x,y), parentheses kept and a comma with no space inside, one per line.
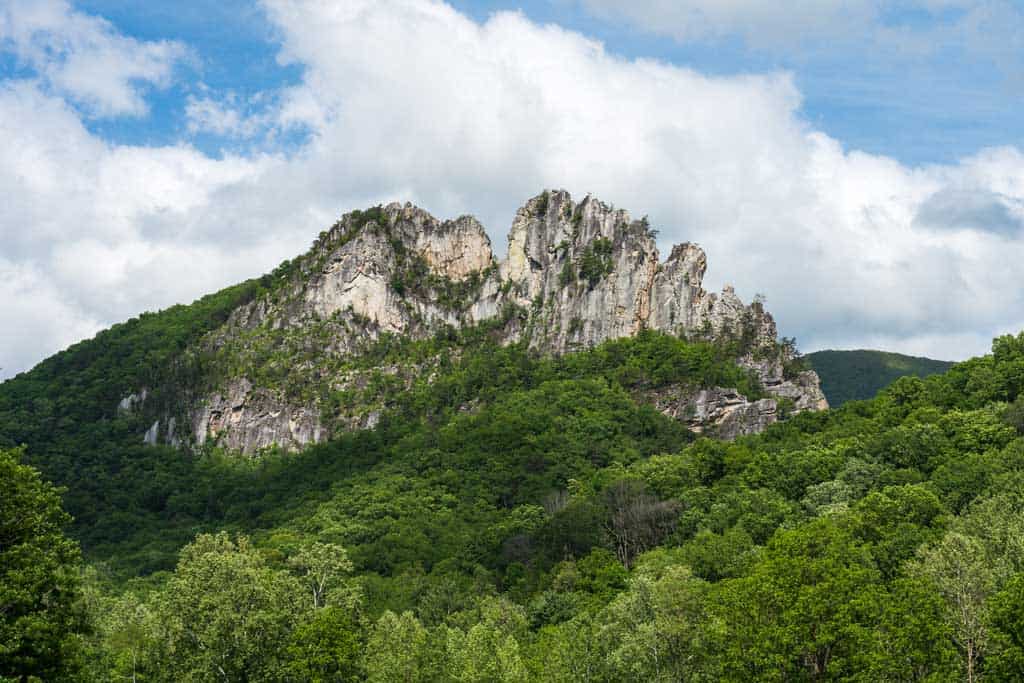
(515,517)
(859,375)
(562,531)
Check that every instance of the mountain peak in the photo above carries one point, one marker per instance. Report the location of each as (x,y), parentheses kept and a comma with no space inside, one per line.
(576,274)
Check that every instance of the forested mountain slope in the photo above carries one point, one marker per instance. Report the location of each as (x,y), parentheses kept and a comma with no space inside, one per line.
(859,375)
(565,532)
(290,367)
(513,511)
(392,312)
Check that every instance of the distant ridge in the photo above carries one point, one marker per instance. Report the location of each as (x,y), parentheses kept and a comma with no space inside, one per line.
(859,375)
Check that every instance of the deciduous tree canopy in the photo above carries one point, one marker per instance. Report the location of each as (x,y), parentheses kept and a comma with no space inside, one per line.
(521,518)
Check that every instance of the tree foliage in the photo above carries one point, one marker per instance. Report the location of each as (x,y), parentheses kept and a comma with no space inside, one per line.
(525,518)
(40,614)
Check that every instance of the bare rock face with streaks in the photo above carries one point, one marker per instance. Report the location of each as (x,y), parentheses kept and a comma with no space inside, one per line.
(255,419)
(356,270)
(577,274)
(717,411)
(598,275)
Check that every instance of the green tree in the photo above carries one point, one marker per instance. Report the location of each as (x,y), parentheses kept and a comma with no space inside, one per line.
(225,615)
(659,629)
(1007,620)
(974,560)
(567,652)
(896,521)
(40,615)
(956,565)
(806,608)
(124,631)
(488,652)
(716,556)
(1014,415)
(396,649)
(322,566)
(911,641)
(326,648)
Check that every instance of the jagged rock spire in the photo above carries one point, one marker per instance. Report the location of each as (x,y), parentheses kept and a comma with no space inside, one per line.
(577,273)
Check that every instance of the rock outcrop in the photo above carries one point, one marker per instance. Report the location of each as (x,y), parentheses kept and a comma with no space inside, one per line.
(717,411)
(255,418)
(599,277)
(130,403)
(577,274)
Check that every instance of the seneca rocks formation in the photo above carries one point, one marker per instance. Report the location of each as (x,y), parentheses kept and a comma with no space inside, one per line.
(576,274)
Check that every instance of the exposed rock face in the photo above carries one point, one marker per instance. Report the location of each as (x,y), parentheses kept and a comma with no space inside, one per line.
(582,273)
(255,419)
(590,266)
(720,412)
(599,277)
(730,414)
(455,249)
(360,275)
(130,403)
(152,435)
(355,270)
(804,391)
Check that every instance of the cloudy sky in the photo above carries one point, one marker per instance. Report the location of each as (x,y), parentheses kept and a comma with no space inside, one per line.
(858,162)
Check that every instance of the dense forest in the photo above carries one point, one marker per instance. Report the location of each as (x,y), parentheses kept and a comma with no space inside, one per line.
(513,518)
(859,375)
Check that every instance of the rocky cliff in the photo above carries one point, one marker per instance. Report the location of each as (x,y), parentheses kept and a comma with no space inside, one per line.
(575,275)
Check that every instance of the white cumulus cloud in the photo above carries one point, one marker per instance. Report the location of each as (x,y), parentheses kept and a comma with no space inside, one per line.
(84,57)
(411,100)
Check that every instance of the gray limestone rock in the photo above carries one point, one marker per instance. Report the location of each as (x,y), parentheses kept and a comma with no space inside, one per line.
(580,273)
(130,403)
(804,391)
(721,412)
(246,418)
(152,435)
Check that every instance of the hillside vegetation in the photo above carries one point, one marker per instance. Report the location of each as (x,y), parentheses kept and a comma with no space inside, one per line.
(515,517)
(859,375)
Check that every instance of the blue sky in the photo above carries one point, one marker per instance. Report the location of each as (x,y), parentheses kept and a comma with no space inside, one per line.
(235,49)
(919,108)
(858,162)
